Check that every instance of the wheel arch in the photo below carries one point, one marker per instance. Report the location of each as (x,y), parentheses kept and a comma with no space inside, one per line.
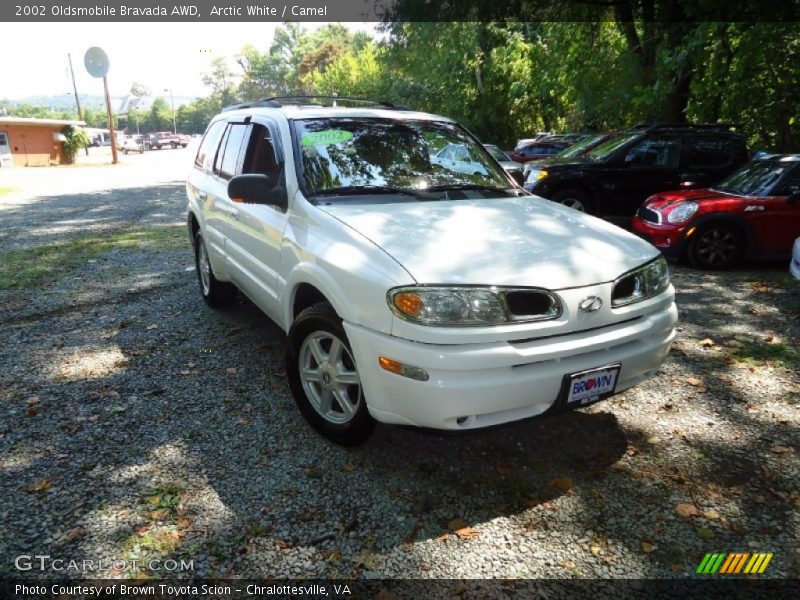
(308,285)
(744,226)
(192,225)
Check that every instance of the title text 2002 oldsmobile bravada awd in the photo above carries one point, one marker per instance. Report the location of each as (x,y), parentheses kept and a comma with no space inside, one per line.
(412,292)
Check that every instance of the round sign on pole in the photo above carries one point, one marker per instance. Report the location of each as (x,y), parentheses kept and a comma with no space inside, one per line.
(96,61)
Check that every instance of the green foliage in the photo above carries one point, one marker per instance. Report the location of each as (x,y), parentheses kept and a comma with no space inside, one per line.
(76,139)
(616,65)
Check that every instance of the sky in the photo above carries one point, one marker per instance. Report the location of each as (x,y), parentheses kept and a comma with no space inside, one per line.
(162,56)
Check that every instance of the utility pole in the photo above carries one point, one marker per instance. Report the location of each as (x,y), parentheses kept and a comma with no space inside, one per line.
(172,99)
(112,135)
(77,100)
(75,87)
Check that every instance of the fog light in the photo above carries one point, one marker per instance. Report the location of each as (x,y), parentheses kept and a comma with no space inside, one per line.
(399,368)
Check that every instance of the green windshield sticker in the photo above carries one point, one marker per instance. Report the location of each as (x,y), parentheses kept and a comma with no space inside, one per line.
(326,138)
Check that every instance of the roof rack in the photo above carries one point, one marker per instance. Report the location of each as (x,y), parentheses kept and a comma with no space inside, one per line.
(658,126)
(280,101)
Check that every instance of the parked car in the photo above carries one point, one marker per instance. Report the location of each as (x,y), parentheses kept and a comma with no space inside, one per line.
(794,266)
(460,159)
(754,212)
(539,150)
(132,143)
(615,177)
(512,167)
(414,294)
(163,139)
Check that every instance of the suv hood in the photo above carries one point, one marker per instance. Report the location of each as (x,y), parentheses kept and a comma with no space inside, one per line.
(662,199)
(525,241)
(565,162)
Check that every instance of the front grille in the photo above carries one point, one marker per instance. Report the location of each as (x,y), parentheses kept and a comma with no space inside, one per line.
(645,214)
(532,304)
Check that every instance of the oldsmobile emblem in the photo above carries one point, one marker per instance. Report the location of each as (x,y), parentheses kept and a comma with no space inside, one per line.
(590,304)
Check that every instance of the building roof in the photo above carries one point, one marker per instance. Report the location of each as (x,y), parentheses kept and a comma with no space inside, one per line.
(39,122)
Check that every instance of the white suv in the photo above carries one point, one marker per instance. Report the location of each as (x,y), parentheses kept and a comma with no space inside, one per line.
(413,293)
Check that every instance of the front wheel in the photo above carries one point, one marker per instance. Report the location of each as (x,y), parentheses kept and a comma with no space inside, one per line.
(574,199)
(174,145)
(324,378)
(717,246)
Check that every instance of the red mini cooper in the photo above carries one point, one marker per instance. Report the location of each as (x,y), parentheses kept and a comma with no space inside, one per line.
(754,212)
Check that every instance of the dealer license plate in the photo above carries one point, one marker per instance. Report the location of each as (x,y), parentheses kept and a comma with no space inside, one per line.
(590,386)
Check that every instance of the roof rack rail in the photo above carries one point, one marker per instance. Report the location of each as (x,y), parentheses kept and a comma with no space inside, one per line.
(279,101)
(657,126)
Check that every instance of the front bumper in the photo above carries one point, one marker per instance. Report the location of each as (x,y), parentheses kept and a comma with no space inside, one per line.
(479,385)
(669,239)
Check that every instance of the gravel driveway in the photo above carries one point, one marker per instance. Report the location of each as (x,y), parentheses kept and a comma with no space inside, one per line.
(137,423)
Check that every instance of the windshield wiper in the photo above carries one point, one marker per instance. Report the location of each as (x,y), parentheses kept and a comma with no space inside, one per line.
(347,190)
(465,187)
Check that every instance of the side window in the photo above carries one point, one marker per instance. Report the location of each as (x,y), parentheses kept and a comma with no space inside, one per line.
(460,153)
(228,158)
(260,156)
(708,152)
(655,153)
(208,147)
(791,185)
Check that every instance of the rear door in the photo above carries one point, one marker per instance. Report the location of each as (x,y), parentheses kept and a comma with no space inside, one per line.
(221,212)
(706,159)
(199,188)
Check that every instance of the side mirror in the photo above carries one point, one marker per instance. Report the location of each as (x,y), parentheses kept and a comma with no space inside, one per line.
(257,189)
(794,197)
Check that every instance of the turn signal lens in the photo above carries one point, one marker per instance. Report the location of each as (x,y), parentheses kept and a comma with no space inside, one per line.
(409,303)
(399,368)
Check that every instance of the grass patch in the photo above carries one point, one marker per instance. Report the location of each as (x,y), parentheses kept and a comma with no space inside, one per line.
(5,190)
(778,355)
(32,266)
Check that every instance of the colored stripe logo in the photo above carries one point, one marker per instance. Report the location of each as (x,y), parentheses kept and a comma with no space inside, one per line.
(734,563)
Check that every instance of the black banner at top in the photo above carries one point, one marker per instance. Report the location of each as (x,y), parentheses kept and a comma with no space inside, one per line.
(395,10)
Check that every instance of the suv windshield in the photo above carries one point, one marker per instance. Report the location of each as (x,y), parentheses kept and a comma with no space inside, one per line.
(609,147)
(350,156)
(754,179)
(578,147)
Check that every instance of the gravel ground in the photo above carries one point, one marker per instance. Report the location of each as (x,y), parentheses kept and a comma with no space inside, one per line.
(138,424)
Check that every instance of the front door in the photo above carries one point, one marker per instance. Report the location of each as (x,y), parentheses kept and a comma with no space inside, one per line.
(256,242)
(650,166)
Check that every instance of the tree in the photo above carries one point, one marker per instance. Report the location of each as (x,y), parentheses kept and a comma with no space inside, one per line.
(76,138)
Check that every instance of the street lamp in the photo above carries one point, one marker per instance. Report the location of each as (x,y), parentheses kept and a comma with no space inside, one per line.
(172,99)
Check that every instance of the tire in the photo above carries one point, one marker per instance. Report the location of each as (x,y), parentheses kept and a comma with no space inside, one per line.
(574,199)
(216,293)
(124,150)
(717,246)
(324,378)
(174,145)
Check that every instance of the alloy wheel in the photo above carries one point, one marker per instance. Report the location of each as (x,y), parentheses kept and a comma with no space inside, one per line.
(329,377)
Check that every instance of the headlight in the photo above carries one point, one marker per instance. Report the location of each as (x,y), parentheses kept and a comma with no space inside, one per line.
(466,306)
(639,284)
(683,212)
